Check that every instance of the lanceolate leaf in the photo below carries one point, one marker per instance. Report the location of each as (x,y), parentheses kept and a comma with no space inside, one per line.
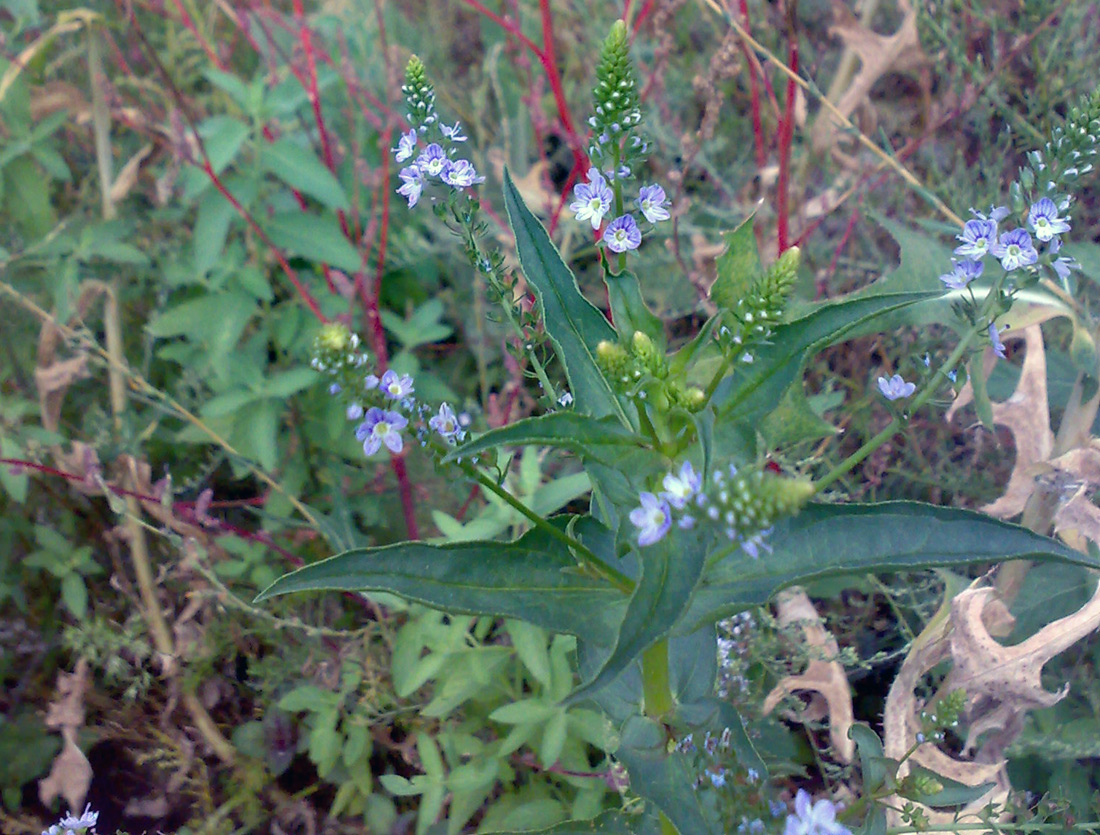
(737,267)
(756,388)
(572,323)
(827,540)
(670,570)
(533,579)
(598,438)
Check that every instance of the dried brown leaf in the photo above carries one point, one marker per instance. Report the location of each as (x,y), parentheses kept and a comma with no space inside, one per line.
(878,55)
(71,773)
(824,678)
(128,174)
(1027,416)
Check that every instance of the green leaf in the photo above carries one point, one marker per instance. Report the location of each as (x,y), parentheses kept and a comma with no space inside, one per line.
(693,665)
(794,421)
(953,792)
(629,311)
(666,780)
(875,822)
(211,319)
(530,644)
(758,387)
(299,168)
(533,578)
(315,238)
(597,438)
(574,326)
(738,266)
(222,138)
(670,570)
(74,593)
(829,540)
(289,382)
(230,84)
(14,483)
(872,758)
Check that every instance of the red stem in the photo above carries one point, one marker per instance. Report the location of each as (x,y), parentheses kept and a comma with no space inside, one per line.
(377,332)
(786,133)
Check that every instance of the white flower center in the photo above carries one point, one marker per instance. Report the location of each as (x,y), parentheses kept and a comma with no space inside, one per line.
(381,428)
(1013,251)
(594,204)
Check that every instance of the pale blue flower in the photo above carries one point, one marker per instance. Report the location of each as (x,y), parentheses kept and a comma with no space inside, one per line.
(370,382)
(445,423)
(354,411)
(622,234)
(1014,250)
(895,388)
(460,174)
(406,146)
(978,237)
(652,201)
(453,133)
(680,488)
(753,545)
(395,387)
(565,400)
(652,519)
(335,388)
(73,825)
(995,338)
(381,427)
(432,160)
(1043,218)
(813,818)
(962,273)
(412,184)
(593,199)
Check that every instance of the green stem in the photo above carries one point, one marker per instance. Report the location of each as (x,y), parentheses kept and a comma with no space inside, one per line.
(582,551)
(657,692)
(619,199)
(894,425)
(655,680)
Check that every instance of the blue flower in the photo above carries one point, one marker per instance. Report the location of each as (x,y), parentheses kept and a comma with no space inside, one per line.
(335,388)
(622,234)
(962,273)
(593,199)
(73,825)
(1043,218)
(895,388)
(412,184)
(652,519)
(445,423)
(370,382)
(652,201)
(460,174)
(454,134)
(995,338)
(680,488)
(381,427)
(354,411)
(406,146)
(395,387)
(1015,250)
(977,237)
(432,160)
(752,545)
(566,400)
(816,819)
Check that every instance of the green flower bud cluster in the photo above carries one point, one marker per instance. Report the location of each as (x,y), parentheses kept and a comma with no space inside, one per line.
(754,316)
(747,502)
(336,353)
(641,370)
(618,115)
(1074,146)
(944,714)
(419,95)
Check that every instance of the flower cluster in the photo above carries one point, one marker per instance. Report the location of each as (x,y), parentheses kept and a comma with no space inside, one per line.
(594,199)
(743,505)
(810,818)
(619,147)
(75,825)
(382,405)
(1015,249)
(436,161)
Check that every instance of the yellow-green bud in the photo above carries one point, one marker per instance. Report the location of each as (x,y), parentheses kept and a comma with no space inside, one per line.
(333,337)
(647,355)
(613,360)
